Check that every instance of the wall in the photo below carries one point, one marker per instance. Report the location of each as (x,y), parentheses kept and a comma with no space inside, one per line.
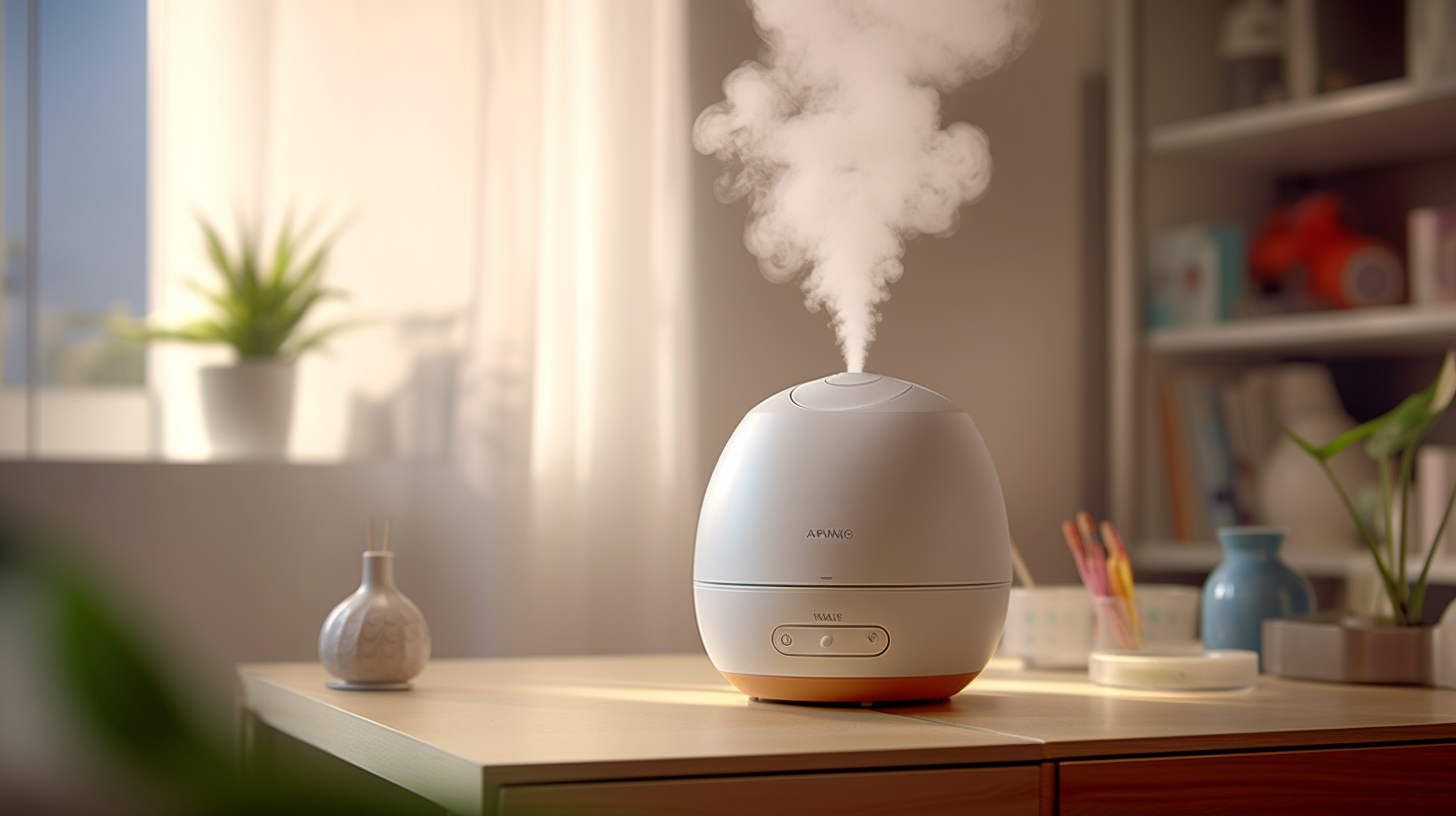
(242,562)
(1004,317)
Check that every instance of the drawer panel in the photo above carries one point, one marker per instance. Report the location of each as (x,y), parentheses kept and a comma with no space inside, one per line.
(1001,790)
(1411,779)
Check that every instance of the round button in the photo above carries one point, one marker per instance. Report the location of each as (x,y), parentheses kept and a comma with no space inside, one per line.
(848,378)
(826,641)
(786,640)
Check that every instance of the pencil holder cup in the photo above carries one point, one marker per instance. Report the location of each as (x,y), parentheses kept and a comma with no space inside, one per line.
(1166,618)
(1055,626)
(1113,625)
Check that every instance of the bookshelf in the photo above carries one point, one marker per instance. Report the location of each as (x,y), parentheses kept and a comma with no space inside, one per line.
(1178,155)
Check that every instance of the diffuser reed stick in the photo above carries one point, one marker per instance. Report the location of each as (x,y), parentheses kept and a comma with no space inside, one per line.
(1023,573)
(384,545)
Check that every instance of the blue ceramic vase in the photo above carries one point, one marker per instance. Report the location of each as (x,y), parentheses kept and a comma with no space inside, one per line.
(1251,584)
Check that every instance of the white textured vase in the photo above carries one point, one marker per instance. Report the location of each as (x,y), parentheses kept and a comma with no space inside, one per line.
(248,408)
(1294,491)
(375,639)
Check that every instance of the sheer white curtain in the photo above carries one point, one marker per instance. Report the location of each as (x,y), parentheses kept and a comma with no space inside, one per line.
(577,402)
(518,170)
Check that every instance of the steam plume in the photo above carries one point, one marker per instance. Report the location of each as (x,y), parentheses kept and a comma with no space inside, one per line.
(835,137)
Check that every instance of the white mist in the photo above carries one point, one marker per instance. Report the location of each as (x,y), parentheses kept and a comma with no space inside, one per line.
(835,137)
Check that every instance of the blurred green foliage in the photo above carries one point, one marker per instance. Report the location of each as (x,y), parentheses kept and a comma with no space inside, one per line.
(120,694)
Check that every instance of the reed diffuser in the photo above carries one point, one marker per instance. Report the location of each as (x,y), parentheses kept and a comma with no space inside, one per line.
(375,639)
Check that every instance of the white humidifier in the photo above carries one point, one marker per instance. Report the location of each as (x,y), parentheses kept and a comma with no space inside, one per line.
(852,546)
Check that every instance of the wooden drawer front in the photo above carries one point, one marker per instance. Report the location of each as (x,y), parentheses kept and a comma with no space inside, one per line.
(1411,779)
(1003,790)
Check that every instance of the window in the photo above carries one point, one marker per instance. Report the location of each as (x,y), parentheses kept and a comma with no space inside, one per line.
(74,222)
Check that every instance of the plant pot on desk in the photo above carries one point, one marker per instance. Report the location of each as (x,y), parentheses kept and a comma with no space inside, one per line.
(248,408)
(1349,650)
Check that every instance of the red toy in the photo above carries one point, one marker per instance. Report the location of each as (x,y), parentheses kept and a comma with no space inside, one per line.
(1340,267)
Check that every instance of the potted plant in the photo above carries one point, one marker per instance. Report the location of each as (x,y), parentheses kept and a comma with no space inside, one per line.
(261,295)
(1396,646)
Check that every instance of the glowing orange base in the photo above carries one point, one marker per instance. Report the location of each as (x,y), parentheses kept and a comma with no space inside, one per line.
(849,689)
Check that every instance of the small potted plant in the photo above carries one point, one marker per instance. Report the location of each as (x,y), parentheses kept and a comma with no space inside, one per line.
(1390,441)
(261,296)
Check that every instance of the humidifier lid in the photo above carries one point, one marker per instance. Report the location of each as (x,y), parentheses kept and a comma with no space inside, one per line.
(847,391)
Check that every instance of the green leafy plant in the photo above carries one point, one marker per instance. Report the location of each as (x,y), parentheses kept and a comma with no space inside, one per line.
(262,293)
(1391,441)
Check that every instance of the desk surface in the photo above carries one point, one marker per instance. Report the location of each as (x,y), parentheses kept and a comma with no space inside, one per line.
(470,727)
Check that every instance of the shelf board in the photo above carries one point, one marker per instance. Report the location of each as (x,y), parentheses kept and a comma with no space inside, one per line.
(1355,332)
(1369,125)
(1203,557)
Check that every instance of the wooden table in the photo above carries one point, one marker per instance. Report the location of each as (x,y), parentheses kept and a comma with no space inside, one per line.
(665,734)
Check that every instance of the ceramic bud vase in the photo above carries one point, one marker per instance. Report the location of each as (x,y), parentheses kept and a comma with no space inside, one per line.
(1251,584)
(375,639)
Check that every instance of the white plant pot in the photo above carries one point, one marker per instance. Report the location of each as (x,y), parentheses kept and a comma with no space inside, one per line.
(248,408)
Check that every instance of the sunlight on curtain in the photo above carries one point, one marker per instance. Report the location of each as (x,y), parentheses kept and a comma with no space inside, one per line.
(582,335)
(365,109)
(518,168)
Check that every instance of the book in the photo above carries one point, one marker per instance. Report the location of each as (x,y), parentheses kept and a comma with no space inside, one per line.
(1432,254)
(1195,275)
(1300,62)
(1211,455)
(1208,485)
(1435,477)
(1176,472)
(1255,395)
(1246,416)
(1430,40)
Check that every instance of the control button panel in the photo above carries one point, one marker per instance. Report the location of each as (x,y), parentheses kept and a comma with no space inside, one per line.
(831,641)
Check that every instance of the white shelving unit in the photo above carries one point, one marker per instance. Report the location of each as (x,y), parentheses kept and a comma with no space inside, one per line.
(1375,331)
(1392,121)
(1166,168)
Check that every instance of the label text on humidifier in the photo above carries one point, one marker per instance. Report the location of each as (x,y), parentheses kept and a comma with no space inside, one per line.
(828,616)
(829,532)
